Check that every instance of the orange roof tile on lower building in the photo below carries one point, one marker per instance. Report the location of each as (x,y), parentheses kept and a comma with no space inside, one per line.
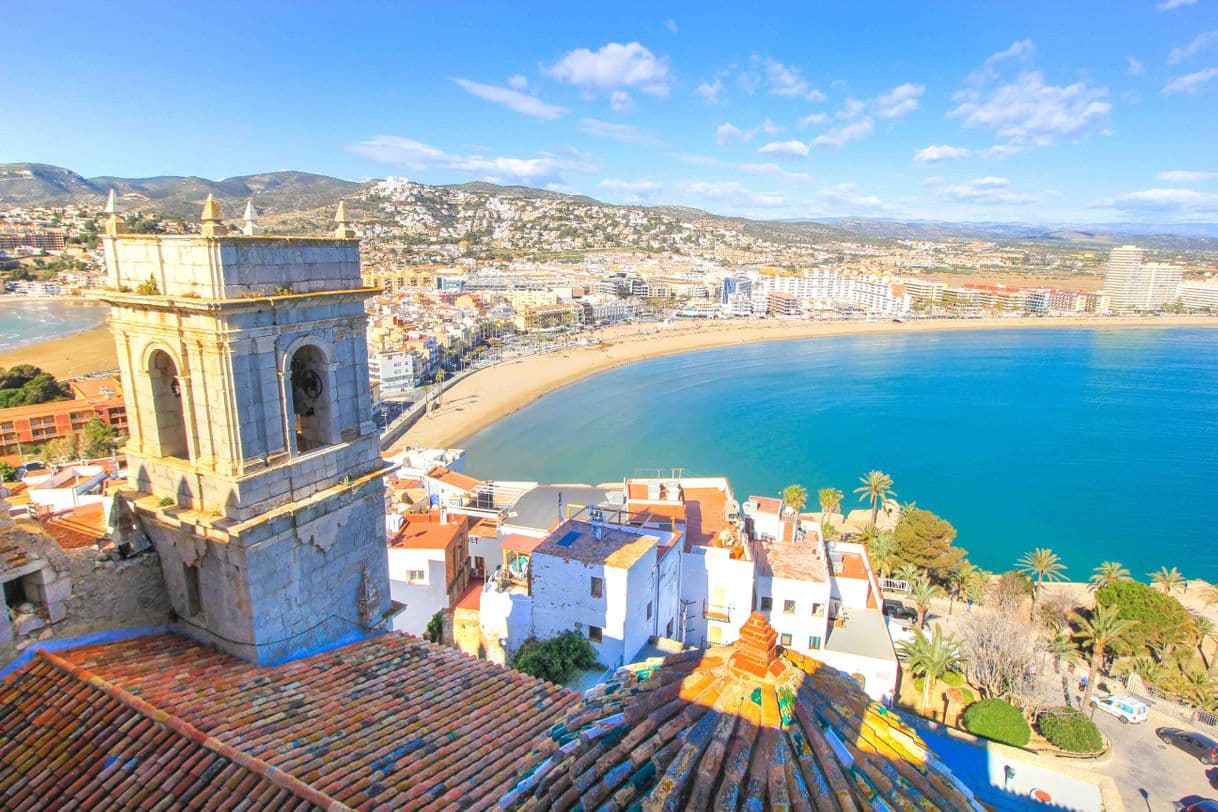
(390,722)
(79,527)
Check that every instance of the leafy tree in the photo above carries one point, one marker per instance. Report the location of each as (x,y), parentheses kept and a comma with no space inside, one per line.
(922,591)
(97,438)
(1097,632)
(1069,729)
(59,451)
(795,496)
(1158,617)
(26,385)
(1010,589)
(1043,565)
(931,657)
(1168,580)
(925,540)
(882,550)
(830,500)
(556,659)
(435,628)
(1108,573)
(998,720)
(1001,651)
(7,472)
(877,486)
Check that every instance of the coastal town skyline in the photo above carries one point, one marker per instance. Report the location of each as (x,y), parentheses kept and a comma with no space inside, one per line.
(785,113)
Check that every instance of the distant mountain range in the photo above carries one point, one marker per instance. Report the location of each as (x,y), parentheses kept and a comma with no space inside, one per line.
(296,200)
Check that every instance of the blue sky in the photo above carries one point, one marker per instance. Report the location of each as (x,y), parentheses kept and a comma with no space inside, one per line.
(957,111)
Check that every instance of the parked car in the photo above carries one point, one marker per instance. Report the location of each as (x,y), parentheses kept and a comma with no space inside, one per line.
(1125,708)
(1194,803)
(1202,747)
(896,609)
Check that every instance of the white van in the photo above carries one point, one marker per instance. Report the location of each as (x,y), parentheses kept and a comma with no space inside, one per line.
(1125,708)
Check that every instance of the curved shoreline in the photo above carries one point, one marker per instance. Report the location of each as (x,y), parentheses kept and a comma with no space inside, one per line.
(488,395)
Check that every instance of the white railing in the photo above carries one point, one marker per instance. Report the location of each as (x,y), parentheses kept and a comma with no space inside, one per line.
(894,585)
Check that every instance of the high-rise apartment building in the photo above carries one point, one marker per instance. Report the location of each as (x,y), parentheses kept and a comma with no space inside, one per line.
(1132,285)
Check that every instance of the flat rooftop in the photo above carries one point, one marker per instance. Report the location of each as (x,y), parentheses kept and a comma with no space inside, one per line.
(578,541)
(798,561)
(865,634)
(542,507)
(425,535)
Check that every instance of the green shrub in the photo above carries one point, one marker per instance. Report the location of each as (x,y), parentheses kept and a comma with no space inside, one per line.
(1068,729)
(967,694)
(1158,617)
(953,678)
(997,720)
(435,628)
(556,659)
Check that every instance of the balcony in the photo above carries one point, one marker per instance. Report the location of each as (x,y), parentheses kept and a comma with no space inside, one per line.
(716,611)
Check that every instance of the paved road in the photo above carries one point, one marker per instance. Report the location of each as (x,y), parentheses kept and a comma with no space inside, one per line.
(1141,762)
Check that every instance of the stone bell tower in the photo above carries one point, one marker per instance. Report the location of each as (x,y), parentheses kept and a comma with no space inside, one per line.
(253,454)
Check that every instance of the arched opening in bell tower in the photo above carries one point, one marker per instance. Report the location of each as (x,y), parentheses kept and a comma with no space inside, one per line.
(167,406)
(310,399)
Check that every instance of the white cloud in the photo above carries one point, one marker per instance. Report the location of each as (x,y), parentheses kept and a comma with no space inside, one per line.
(988,189)
(847,195)
(1134,66)
(543,170)
(813,118)
(518,82)
(796,149)
(852,108)
(1184,202)
(732,193)
(1199,44)
(1002,151)
(900,101)
(615,66)
(815,96)
(512,99)
(1191,82)
(727,134)
(1167,5)
(779,79)
(671,25)
(1026,110)
(940,152)
(620,101)
(934,180)
(1183,176)
(770,128)
(632,190)
(838,137)
(776,172)
(711,91)
(619,132)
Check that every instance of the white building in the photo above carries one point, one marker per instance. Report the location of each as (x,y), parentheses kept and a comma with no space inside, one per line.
(396,372)
(1199,296)
(1132,285)
(428,567)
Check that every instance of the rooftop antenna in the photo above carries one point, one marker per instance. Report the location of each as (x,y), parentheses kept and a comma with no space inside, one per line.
(251,227)
(344,230)
(213,226)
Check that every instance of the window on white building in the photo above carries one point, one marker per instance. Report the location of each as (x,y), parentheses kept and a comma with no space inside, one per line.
(818,609)
(416,577)
(767,603)
(595,634)
(668,633)
(649,610)
(785,639)
(788,607)
(813,642)
(714,634)
(598,587)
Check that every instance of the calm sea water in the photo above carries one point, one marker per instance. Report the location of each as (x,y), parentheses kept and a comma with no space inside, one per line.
(1100,444)
(28,321)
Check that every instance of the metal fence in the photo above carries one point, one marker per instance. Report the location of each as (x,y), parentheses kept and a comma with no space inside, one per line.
(1163,703)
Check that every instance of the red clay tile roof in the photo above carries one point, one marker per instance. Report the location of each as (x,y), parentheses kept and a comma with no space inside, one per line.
(391,721)
(79,527)
(749,726)
(520,543)
(71,740)
(453,479)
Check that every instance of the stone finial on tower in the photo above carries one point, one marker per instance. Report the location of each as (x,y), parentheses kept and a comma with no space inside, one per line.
(344,230)
(213,226)
(756,651)
(114,225)
(251,227)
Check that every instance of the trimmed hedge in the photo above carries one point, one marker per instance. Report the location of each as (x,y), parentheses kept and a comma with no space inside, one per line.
(953,678)
(997,720)
(1070,730)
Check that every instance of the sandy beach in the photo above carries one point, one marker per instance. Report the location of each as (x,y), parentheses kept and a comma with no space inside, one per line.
(488,395)
(72,355)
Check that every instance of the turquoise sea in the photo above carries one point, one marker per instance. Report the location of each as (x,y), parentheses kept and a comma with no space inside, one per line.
(1100,444)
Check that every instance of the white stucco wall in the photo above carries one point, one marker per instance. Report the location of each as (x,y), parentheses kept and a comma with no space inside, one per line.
(802,623)
(422,600)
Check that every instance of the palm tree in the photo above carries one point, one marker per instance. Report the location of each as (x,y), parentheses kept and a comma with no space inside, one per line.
(1168,580)
(1145,667)
(1205,630)
(877,486)
(830,501)
(1110,572)
(977,584)
(1062,649)
(795,496)
(957,577)
(1210,595)
(922,592)
(907,573)
(882,549)
(1103,628)
(931,657)
(1044,565)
